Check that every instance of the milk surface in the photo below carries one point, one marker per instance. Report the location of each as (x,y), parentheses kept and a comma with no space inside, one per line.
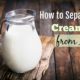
(21,47)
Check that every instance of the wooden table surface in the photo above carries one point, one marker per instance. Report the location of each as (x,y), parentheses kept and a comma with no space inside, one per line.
(65,62)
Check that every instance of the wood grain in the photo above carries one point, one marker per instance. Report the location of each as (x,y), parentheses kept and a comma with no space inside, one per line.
(75,52)
(62,57)
(64,63)
(1,13)
(45,24)
(45,29)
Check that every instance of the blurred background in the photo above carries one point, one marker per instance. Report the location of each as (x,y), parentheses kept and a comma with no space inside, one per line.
(43,25)
(65,62)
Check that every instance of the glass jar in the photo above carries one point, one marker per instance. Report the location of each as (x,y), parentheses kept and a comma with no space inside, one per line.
(21,44)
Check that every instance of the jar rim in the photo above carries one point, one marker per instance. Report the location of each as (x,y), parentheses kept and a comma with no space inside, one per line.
(20,16)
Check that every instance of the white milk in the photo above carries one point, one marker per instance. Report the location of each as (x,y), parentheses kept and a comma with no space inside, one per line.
(21,47)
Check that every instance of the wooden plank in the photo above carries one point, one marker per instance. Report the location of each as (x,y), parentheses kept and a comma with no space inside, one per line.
(39,71)
(45,29)
(1,13)
(62,56)
(63,65)
(1,9)
(77,7)
(75,52)
(50,73)
(45,24)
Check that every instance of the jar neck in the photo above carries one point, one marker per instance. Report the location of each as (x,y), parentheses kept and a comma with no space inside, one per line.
(28,24)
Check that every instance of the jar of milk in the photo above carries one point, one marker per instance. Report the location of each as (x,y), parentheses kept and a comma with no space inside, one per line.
(21,44)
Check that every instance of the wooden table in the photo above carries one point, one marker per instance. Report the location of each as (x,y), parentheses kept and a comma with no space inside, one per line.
(65,62)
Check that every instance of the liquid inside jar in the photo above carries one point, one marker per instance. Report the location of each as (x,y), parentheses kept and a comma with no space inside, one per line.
(21,44)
